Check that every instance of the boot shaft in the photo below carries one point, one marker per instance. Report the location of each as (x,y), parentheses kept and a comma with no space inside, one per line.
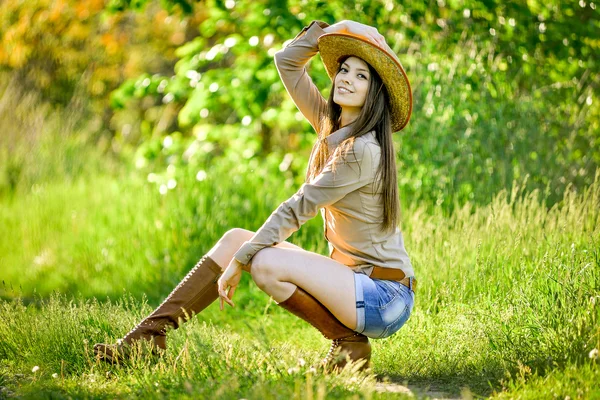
(305,306)
(196,291)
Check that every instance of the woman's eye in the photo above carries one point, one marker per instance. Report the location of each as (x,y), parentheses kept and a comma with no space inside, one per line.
(344,69)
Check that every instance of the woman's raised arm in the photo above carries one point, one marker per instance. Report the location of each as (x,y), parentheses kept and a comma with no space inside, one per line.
(291,64)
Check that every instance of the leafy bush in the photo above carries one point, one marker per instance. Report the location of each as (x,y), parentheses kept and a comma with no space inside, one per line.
(496,96)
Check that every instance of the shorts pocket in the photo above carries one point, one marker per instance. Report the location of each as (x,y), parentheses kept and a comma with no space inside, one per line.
(393,327)
(395,315)
(388,292)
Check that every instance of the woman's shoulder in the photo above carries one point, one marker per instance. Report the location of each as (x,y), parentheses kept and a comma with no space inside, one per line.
(367,141)
(366,149)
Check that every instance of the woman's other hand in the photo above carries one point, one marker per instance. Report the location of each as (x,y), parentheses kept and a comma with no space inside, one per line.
(337,27)
(228,282)
(358,29)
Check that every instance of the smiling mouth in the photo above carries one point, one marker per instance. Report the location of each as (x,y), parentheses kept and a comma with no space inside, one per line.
(343,91)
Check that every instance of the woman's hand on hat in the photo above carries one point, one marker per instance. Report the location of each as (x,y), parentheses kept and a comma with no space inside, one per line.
(365,30)
(228,282)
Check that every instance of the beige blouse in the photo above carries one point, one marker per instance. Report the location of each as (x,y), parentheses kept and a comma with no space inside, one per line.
(349,204)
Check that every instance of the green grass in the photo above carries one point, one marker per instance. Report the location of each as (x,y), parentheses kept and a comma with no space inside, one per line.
(508,301)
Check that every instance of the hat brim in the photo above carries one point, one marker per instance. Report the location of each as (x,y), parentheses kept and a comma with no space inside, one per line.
(333,46)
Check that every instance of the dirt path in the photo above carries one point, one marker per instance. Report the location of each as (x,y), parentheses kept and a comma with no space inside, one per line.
(418,391)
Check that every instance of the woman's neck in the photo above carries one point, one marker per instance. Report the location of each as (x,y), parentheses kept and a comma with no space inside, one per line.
(348,116)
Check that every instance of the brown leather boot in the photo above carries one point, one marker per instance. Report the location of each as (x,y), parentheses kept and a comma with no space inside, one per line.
(193,294)
(345,341)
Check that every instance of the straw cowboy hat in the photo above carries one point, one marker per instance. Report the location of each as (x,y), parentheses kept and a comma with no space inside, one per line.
(333,46)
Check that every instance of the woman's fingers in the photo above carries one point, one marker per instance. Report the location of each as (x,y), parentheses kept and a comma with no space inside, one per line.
(378,37)
(227,283)
(221,291)
(226,296)
(366,30)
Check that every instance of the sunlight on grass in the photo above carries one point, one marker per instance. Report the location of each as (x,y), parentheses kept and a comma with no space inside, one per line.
(503,288)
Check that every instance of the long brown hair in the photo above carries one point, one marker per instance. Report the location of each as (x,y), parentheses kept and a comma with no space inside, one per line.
(374,115)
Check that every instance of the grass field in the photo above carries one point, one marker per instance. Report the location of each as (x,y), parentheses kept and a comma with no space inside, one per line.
(508,303)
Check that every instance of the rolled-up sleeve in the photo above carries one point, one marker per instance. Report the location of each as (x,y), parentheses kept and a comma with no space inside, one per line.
(325,189)
(291,64)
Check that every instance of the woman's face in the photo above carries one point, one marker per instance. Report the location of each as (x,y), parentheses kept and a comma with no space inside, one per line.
(353,75)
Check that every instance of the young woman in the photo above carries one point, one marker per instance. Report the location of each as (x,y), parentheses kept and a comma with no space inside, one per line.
(365,288)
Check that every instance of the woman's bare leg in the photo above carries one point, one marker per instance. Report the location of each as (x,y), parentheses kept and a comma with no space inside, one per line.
(329,281)
(222,252)
(278,271)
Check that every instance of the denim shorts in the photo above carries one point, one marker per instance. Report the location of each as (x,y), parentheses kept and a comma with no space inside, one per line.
(382,306)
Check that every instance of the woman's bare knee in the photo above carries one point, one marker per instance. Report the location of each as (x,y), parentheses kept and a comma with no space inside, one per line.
(236,235)
(267,273)
(262,273)
(223,251)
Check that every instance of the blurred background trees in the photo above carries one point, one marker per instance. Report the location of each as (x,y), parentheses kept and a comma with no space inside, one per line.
(177,89)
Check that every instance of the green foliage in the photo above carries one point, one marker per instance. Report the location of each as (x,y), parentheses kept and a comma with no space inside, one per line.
(479,132)
(501,90)
(497,96)
(74,53)
(39,144)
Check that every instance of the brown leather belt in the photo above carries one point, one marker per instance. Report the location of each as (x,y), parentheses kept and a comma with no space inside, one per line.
(393,274)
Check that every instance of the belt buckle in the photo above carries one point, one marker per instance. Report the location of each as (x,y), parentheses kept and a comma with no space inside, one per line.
(405,283)
(411,283)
